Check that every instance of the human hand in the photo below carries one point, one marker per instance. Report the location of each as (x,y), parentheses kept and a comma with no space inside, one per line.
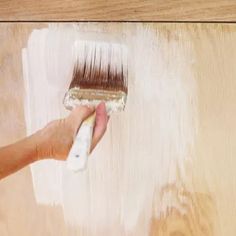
(56,139)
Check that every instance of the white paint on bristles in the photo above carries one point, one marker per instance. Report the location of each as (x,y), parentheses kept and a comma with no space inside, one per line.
(145,147)
(102,58)
(98,54)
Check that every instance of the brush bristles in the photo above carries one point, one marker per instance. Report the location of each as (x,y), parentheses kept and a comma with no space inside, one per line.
(100,65)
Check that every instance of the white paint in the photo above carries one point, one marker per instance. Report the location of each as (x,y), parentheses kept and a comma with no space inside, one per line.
(145,147)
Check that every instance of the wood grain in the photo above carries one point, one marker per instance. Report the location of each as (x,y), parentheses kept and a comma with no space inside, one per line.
(211,189)
(121,10)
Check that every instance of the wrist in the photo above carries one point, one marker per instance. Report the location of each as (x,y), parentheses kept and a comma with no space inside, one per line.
(30,148)
(40,142)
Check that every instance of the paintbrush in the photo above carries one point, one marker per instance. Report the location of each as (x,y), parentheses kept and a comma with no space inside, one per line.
(100,74)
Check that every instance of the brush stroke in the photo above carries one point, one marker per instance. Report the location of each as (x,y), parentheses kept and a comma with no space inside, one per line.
(144,149)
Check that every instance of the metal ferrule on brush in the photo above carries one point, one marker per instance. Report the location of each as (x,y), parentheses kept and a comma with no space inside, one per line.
(114,100)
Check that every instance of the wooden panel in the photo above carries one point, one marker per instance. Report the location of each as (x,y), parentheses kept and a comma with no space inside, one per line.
(211,187)
(121,10)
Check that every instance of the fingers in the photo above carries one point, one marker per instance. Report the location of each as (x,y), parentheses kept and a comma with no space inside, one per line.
(78,115)
(100,124)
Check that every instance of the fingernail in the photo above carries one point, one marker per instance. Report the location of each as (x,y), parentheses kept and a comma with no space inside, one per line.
(102,104)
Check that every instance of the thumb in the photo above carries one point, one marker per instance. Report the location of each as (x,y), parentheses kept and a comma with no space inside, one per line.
(78,115)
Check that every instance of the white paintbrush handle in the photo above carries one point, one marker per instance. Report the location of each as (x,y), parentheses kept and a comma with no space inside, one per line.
(79,152)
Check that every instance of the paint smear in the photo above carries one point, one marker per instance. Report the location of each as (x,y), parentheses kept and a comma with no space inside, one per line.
(144,149)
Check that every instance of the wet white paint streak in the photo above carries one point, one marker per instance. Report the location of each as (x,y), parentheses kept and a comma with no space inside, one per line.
(145,147)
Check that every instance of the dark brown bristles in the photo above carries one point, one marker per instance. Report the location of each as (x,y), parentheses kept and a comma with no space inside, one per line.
(100,65)
(95,78)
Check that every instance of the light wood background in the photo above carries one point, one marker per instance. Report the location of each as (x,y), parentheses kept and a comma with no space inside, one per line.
(213,185)
(120,10)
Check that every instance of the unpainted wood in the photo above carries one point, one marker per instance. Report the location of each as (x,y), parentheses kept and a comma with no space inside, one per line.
(121,10)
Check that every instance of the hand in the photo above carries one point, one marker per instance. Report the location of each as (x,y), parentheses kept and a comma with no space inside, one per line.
(56,139)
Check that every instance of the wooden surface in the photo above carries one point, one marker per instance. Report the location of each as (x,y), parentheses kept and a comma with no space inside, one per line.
(121,10)
(212,187)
